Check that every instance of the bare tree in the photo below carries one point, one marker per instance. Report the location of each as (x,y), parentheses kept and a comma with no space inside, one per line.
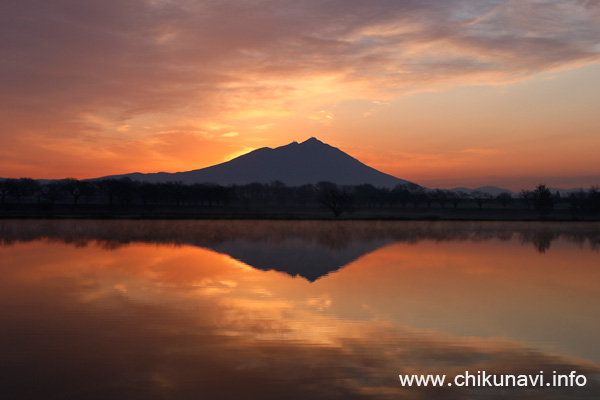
(417,193)
(480,197)
(441,196)
(114,188)
(75,188)
(504,199)
(401,194)
(52,191)
(21,188)
(338,200)
(526,197)
(457,197)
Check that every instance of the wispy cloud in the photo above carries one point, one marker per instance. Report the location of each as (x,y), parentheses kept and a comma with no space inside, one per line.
(146,56)
(481,152)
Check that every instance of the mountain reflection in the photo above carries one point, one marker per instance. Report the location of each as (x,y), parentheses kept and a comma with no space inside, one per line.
(308,259)
(310,249)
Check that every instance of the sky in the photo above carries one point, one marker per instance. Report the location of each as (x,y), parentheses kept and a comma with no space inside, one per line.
(442,93)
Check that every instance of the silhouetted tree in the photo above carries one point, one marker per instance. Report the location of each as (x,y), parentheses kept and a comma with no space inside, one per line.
(441,196)
(429,197)
(280,192)
(113,188)
(417,193)
(127,191)
(592,200)
(337,199)
(222,194)
(242,194)
(382,196)
(393,197)
(480,197)
(542,200)
(148,193)
(365,195)
(30,186)
(526,197)
(214,192)
(305,193)
(504,199)
(401,194)
(197,193)
(12,189)
(457,197)
(585,202)
(52,191)
(249,193)
(177,191)
(255,191)
(577,201)
(39,193)
(21,188)
(557,197)
(75,188)
(4,191)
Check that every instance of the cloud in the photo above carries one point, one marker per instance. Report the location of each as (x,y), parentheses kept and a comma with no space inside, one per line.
(141,56)
(232,60)
(481,152)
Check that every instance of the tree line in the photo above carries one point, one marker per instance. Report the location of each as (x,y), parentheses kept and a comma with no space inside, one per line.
(122,193)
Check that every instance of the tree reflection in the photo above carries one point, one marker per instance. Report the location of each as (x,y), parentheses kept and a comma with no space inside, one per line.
(307,248)
(541,239)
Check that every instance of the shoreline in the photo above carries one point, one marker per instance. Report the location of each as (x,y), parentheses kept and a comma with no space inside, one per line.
(363,215)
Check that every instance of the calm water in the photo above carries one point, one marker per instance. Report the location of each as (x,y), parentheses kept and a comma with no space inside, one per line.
(286,310)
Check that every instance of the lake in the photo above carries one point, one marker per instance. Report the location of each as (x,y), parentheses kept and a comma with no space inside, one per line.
(302,309)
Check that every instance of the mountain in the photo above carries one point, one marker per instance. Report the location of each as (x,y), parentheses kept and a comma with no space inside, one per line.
(293,164)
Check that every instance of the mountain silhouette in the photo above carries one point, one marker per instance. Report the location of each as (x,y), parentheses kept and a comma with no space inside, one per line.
(294,164)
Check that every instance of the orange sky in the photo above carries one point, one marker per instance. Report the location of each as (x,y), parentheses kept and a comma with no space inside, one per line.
(445,94)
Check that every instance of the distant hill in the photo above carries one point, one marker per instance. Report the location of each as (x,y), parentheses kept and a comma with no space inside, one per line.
(293,164)
(493,190)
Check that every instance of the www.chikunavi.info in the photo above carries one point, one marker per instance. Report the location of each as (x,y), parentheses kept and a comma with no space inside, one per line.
(483,379)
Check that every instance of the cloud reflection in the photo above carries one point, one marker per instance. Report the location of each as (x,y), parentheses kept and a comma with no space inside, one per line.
(70,331)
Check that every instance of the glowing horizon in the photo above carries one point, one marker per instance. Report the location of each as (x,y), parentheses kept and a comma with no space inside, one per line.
(462,93)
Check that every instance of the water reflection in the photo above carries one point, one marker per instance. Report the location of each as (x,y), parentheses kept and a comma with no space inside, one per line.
(310,249)
(160,321)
